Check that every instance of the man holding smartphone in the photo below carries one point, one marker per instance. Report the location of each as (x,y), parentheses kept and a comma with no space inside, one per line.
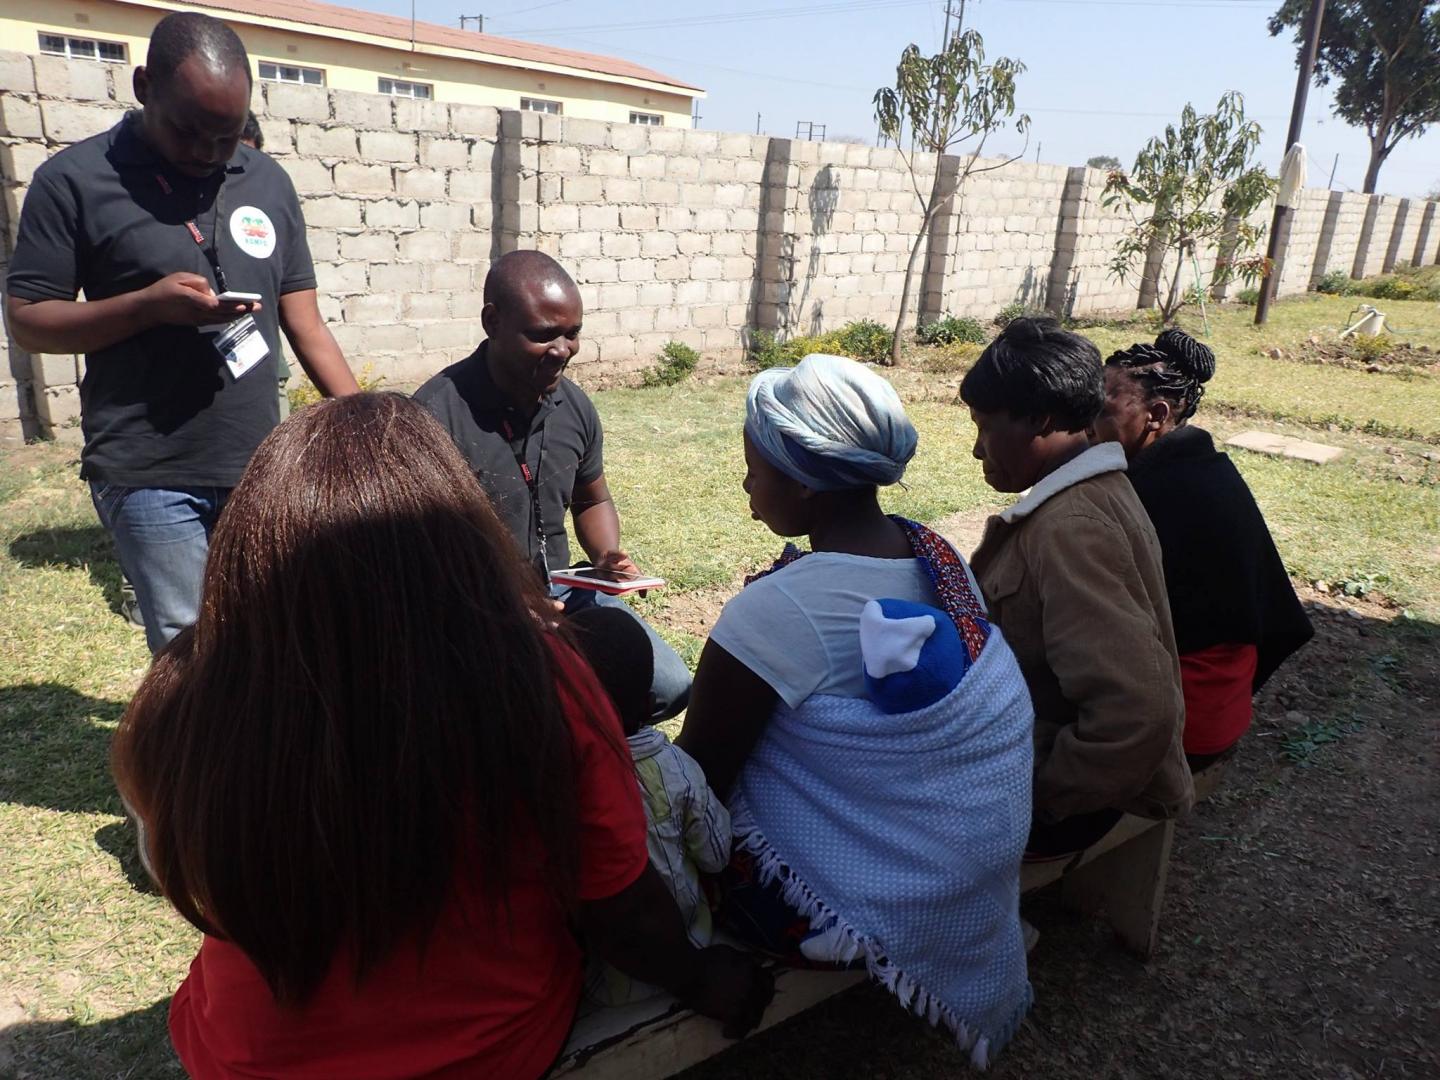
(171,229)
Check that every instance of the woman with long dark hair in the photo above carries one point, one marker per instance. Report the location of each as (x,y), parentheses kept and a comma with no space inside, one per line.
(1236,615)
(389,796)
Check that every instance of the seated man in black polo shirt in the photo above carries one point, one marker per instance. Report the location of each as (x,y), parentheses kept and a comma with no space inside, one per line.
(155,221)
(534,440)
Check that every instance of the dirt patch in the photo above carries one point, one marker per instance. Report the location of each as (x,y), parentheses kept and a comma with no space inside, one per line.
(1301,919)
(695,612)
(1377,355)
(964,529)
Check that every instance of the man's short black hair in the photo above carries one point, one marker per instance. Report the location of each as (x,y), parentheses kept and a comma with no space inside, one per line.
(181,35)
(252,133)
(515,269)
(1036,368)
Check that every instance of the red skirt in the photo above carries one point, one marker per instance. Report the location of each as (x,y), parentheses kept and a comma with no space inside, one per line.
(1218,683)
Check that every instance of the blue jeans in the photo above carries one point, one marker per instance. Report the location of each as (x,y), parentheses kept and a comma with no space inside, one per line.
(671,684)
(162,536)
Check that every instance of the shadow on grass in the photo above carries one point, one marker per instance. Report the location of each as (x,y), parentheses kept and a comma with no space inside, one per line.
(118,840)
(70,548)
(134,1045)
(54,748)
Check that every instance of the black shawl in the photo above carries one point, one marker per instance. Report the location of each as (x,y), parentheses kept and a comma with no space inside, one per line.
(1225,579)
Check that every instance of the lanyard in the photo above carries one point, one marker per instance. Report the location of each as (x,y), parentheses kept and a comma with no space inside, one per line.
(532,485)
(212,253)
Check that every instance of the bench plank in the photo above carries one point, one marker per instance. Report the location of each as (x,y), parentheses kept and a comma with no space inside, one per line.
(658,1038)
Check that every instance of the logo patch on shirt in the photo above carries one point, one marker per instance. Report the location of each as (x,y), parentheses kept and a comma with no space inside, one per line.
(253,232)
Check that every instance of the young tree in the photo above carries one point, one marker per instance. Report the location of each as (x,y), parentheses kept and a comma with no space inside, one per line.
(944,102)
(1106,162)
(1384,57)
(1190,188)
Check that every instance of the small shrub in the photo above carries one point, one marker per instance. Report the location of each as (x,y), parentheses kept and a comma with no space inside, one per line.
(951,330)
(864,340)
(1389,288)
(674,365)
(1248,296)
(302,391)
(1017,310)
(1369,350)
(951,359)
(1336,283)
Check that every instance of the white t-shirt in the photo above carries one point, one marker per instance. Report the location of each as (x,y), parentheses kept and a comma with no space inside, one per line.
(799,628)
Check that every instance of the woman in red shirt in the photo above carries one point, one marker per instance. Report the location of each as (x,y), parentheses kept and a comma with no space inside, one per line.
(1235,612)
(392,799)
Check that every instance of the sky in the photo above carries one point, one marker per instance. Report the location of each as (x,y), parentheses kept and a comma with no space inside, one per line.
(1102,77)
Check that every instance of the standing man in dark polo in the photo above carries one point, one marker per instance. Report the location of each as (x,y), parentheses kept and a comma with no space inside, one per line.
(534,441)
(152,221)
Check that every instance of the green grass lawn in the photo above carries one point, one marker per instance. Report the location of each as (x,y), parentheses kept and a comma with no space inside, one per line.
(81,941)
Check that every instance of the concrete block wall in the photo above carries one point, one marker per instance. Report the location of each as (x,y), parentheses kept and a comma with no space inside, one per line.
(672,234)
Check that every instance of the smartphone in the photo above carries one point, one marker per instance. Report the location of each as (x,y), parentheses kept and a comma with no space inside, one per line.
(239,297)
(606,581)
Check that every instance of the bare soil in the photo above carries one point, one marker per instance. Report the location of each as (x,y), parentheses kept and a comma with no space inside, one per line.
(1301,927)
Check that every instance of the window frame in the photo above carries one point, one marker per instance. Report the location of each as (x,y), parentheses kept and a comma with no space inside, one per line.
(527,105)
(98,45)
(649,119)
(279,66)
(429,88)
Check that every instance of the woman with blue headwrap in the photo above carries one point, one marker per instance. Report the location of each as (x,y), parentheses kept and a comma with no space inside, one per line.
(868,728)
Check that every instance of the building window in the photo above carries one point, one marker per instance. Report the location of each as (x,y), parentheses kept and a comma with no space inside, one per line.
(112,52)
(647,119)
(533,104)
(396,88)
(290,73)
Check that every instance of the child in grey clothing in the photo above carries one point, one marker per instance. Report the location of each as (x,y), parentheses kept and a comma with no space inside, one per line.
(688,827)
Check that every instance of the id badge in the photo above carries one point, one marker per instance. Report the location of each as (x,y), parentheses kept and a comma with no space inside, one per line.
(242,345)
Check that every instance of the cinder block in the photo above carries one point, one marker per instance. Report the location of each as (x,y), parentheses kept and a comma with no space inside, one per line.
(701,143)
(442,153)
(555,157)
(324,243)
(19,117)
(425,246)
(52,369)
(391,337)
(333,211)
(316,141)
(17,72)
(483,120)
(354,178)
(467,186)
(621,246)
(697,196)
(560,218)
(389,146)
(705,267)
(608,163)
(597,270)
(482,157)
(619,189)
(446,276)
(362,110)
(445,216)
(425,306)
(637,320)
(392,214)
(632,138)
(599,218)
(676,269)
(82,80)
(576,245)
(279,137)
(417,114)
(69,121)
(295,102)
(519,126)
(580,132)
(682,168)
(420,183)
(647,167)
(449,335)
(661,192)
(368,247)
(372,308)
(342,278)
(657,244)
(309,176)
(582,189)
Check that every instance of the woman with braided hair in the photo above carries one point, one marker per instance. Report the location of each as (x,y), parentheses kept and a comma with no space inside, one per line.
(1236,614)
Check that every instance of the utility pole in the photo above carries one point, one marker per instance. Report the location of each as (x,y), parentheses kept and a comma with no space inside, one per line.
(1331,182)
(757,123)
(1283,214)
(478,20)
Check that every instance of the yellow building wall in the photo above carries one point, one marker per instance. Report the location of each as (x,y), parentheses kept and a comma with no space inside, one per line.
(351,65)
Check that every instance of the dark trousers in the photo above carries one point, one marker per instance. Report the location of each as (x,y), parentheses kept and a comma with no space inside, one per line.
(1069,835)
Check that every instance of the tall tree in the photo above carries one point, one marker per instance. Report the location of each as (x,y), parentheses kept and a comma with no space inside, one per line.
(1384,58)
(1106,162)
(944,103)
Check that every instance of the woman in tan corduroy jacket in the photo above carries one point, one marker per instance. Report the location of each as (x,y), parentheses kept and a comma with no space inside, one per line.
(1072,574)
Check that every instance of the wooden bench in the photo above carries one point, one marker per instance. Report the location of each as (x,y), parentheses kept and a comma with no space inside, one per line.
(1124,874)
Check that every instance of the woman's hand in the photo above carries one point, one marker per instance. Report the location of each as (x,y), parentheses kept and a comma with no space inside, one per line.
(730,987)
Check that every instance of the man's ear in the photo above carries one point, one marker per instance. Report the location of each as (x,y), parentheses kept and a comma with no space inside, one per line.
(489,317)
(140,82)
